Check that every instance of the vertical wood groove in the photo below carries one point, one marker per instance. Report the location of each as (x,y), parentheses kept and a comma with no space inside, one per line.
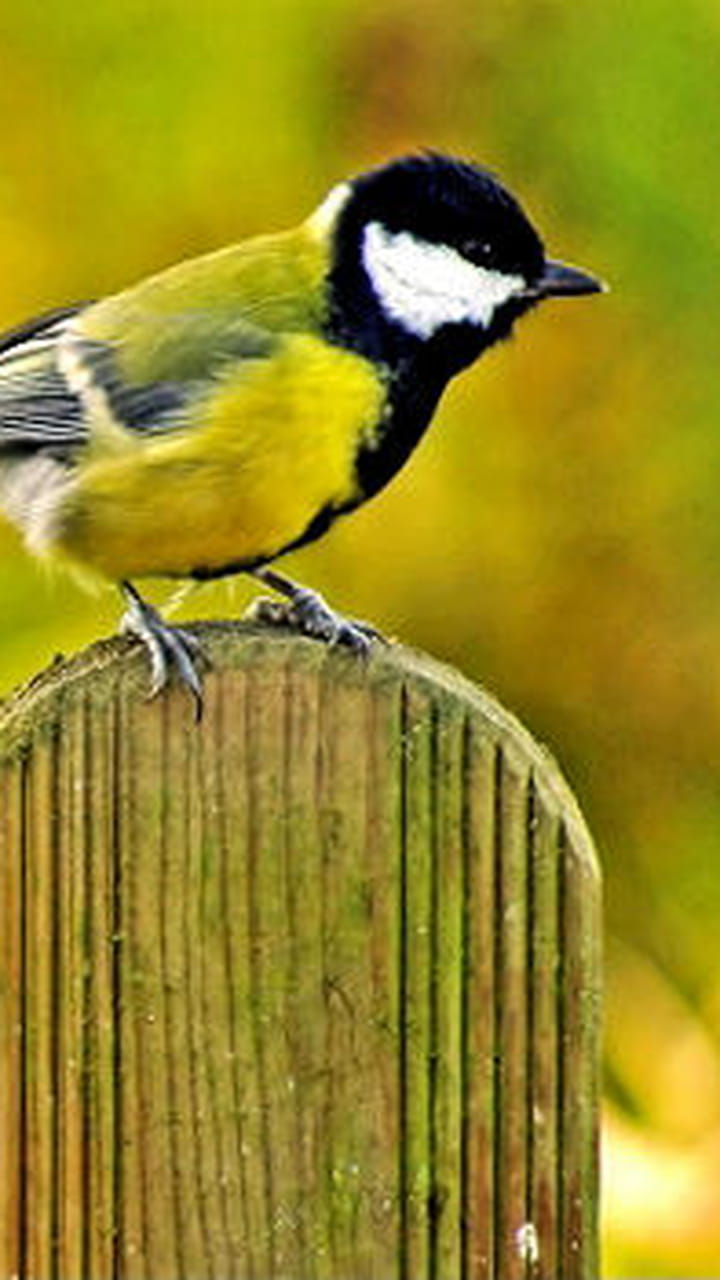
(220,1054)
(562,847)
(229,978)
(254,853)
(88,1054)
(382,858)
(291,979)
(531,1027)
(133,1106)
(212,1187)
(23,1052)
(328,1098)
(498,1097)
(309,989)
(464,1202)
(117,925)
(170,1062)
(434,1207)
(402,999)
(55,1002)
(196,1131)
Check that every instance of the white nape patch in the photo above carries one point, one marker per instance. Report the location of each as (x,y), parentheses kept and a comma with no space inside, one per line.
(325,216)
(425,286)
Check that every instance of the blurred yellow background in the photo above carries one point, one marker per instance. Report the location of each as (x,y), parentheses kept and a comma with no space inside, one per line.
(557,534)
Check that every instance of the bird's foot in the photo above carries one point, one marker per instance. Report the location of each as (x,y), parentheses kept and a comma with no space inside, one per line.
(168,647)
(306,611)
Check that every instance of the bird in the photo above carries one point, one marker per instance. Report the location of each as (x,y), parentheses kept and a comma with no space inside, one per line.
(222,412)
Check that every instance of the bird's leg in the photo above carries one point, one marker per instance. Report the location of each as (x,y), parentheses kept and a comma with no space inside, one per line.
(307,612)
(167,646)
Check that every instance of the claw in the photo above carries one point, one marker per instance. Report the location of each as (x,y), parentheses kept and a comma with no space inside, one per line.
(306,611)
(267,612)
(167,646)
(371,633)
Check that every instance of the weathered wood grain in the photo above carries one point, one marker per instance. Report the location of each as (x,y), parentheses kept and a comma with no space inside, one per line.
(309,990)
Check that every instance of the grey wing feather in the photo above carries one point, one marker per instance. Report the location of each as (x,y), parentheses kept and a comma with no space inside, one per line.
(38,412)
(43,326)
(149,408)
(187,369)
(50,378)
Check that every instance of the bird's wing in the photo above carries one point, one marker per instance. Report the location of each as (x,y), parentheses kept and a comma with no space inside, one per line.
(40,328)
(37,409)
(54,374)
(181,357)
(140,358)
(159,345)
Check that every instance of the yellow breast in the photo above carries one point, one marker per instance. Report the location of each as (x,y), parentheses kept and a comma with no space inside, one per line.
(272,444)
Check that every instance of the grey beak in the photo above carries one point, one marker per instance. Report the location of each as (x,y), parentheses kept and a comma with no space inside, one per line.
(559,281)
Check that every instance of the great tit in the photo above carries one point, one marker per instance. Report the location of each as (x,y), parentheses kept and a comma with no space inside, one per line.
(225,411)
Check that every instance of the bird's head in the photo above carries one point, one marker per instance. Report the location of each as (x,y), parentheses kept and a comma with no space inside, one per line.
(432,251)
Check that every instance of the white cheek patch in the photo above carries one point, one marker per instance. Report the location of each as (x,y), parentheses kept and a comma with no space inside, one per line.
(424,286)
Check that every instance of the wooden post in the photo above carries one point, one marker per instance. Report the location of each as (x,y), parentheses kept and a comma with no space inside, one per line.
(308,991)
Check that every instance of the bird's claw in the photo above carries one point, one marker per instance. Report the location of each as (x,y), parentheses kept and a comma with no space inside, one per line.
(168,647)
(308,613)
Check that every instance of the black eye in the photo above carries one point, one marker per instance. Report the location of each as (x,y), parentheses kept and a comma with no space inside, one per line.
(476,250)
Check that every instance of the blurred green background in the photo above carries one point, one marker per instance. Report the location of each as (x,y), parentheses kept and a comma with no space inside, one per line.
(557,534)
